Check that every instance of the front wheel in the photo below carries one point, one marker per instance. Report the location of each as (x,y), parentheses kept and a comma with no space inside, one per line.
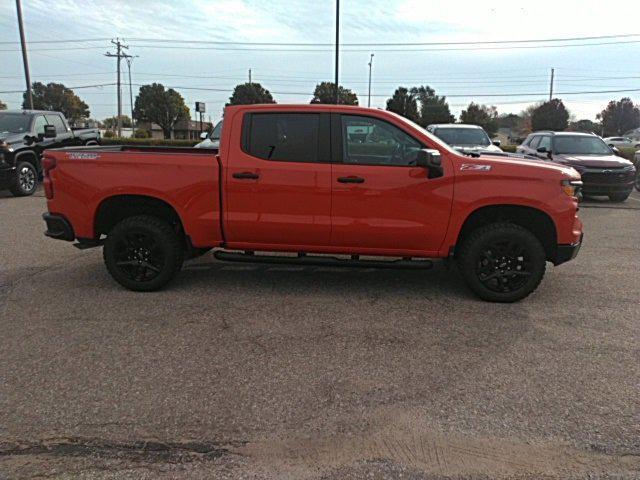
(143,253)
(502,262)
(620,197)
(26,180)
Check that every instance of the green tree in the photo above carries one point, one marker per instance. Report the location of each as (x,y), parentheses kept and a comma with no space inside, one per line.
(3,106)
(165,107)
(551,115)
(249,94)
(404,103)
(57,97)
(325,93)
(486,117)
(112,122)
(619,117)
(585,126)
(433,108)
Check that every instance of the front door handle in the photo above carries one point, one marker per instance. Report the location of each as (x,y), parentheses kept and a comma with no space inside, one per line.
(351,179)
(246,175)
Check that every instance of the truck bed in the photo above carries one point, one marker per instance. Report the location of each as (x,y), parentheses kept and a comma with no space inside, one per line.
(185,178)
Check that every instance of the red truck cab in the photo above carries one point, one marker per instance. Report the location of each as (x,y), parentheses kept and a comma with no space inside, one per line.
(316,180)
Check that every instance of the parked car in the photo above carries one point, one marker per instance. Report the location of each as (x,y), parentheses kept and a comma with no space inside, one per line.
(624,142)
(288,178)
(465,138)
(211,139)
(602,171)
(24,135)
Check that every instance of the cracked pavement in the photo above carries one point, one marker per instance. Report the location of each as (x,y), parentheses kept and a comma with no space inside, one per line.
(264,372)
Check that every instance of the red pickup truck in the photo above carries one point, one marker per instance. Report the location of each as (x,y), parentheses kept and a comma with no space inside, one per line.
(331,184)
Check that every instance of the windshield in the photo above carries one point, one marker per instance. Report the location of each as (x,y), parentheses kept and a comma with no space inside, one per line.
(463,136)
(215,134)
(580,145)
(14,123)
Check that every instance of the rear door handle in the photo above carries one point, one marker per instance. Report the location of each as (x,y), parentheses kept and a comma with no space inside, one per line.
(246,175)
(351,179)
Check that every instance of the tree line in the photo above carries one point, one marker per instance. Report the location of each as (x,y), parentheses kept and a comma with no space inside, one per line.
(166,107)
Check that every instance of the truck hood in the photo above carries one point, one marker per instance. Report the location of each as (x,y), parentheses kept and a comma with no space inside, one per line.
(11,138)
(545,165)
(591,161)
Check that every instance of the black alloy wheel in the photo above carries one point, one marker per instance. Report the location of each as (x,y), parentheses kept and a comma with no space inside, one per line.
(143,253)
(502,262)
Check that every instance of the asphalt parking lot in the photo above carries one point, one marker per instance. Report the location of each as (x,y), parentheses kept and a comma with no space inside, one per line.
(242,371)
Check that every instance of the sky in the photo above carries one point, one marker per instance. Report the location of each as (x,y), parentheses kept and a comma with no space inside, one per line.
(169,40)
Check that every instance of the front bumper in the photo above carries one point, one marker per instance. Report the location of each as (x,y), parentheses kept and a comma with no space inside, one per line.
(58,227)
(7,177)
(564,253)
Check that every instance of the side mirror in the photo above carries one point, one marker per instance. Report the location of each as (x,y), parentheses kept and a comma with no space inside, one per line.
(541,150)
(497,143)
(49,131)
(203,135)
(430,159)
(615,151)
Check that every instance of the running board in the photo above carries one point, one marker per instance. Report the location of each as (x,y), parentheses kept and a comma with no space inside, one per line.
(304,259)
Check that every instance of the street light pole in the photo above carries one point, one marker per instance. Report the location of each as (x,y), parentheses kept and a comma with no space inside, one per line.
(133,123)
(337,97)
(370,65)
(25,60)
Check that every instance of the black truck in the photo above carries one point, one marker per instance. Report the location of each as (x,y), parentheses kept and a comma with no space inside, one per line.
(24,135)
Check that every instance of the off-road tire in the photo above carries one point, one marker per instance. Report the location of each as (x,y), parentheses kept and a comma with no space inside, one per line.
(472,254)
(26,181)
(121,247)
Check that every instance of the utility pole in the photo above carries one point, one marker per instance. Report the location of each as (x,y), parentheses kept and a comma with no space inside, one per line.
(370,65)
(25,60)
(250,76)
(551,84)
(119,55)
(337,97)
(133,123)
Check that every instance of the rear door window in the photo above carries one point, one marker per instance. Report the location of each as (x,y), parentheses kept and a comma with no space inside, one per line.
(289,137)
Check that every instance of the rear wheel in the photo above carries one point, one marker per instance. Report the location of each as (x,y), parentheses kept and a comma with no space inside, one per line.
(26,180)
(502,262)
(143,253)
(619,197)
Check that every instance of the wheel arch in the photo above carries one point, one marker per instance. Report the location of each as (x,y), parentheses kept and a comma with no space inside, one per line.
(116,208)
(531,218)
(28,156)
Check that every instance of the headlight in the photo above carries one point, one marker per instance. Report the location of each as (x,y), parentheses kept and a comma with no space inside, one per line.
(571,187)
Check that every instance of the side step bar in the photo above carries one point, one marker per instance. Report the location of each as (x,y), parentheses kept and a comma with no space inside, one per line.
(304,259)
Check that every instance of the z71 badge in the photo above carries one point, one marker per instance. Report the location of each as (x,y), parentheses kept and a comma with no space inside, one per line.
(475,167)
(83,155)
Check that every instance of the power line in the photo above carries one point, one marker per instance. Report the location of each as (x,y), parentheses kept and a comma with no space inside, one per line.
(70,88)
(395,44)
(73,40)
(402,50)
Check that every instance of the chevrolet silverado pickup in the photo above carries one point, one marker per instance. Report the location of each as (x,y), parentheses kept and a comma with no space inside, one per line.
(316,185)
(24,135)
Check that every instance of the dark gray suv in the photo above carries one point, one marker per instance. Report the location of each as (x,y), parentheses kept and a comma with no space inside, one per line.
(602,171)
